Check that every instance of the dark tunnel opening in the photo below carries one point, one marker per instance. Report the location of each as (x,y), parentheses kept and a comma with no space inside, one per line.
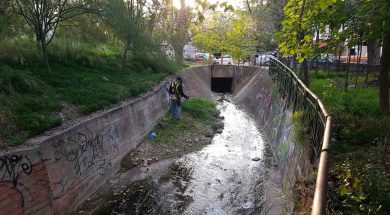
(221,85)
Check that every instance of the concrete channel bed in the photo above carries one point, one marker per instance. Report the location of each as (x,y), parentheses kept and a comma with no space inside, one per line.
(54,173)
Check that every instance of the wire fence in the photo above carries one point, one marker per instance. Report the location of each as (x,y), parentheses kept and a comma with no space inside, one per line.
(351,75)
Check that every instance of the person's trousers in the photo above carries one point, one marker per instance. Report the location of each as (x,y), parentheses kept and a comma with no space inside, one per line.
(175,109)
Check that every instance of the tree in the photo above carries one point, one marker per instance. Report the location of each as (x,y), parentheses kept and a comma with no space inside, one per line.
(175,25)
(232,32)
(268,16)
(297,34)
(4,14)
(43,17)
(385,69)
(131,23)
(179,36)
(349,21)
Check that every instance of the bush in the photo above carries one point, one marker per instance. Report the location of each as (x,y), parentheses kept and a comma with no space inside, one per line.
(358,190)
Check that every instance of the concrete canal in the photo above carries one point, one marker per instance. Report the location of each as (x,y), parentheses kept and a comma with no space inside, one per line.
(225,177)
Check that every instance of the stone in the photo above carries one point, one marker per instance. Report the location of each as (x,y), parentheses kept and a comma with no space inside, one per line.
(256,159)
(219,131)
(209,133)
(220,125)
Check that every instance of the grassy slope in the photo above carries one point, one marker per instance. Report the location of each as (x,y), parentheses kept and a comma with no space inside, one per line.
(32,99)
(359,180)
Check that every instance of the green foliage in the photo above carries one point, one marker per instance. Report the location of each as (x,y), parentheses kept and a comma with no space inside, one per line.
(357,109)
(358,190)
(358,185)
(19,50)
(295,37)
(232,33)
(355,101)
(201,109)
(34,100)
(353,22)
(300,131)
(267,18)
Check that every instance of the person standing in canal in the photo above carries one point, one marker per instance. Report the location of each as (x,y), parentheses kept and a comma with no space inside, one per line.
(176,92)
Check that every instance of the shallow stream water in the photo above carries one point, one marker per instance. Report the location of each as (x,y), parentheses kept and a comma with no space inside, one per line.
(225,177)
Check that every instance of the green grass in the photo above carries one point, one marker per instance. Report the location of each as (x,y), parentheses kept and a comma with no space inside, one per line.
(359,185)
(31,99)
(357,109)
(201,109)
(195,112)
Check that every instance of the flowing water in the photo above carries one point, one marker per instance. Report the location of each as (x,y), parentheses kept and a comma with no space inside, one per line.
(225,177)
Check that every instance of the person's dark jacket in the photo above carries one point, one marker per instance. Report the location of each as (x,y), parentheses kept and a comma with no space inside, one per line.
(179,90)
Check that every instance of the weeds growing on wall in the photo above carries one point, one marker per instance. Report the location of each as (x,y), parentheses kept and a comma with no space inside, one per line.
(300,130)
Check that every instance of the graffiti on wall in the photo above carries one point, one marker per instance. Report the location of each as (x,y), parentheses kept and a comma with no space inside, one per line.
(12,190)
(12,167)
(88,149)
(278,125)
(264,98)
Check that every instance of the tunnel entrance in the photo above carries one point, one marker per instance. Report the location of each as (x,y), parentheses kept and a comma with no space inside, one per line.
(222,85)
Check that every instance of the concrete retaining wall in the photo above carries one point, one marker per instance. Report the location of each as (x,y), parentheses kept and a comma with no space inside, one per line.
(54,174)
(260,96)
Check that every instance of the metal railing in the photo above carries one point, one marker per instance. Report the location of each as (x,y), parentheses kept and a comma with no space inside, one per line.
(315,118)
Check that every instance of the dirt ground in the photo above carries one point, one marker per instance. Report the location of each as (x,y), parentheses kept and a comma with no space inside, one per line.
(149,158)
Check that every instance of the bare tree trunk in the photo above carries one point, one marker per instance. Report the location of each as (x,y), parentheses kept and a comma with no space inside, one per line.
(305,70)
(42,46)
(360,47)
(179,54)
(385,146)
(338,66)
(384,75)
(346,77)
(317,39)
(327,64)
(124,58)
(46,56)
(373,53)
